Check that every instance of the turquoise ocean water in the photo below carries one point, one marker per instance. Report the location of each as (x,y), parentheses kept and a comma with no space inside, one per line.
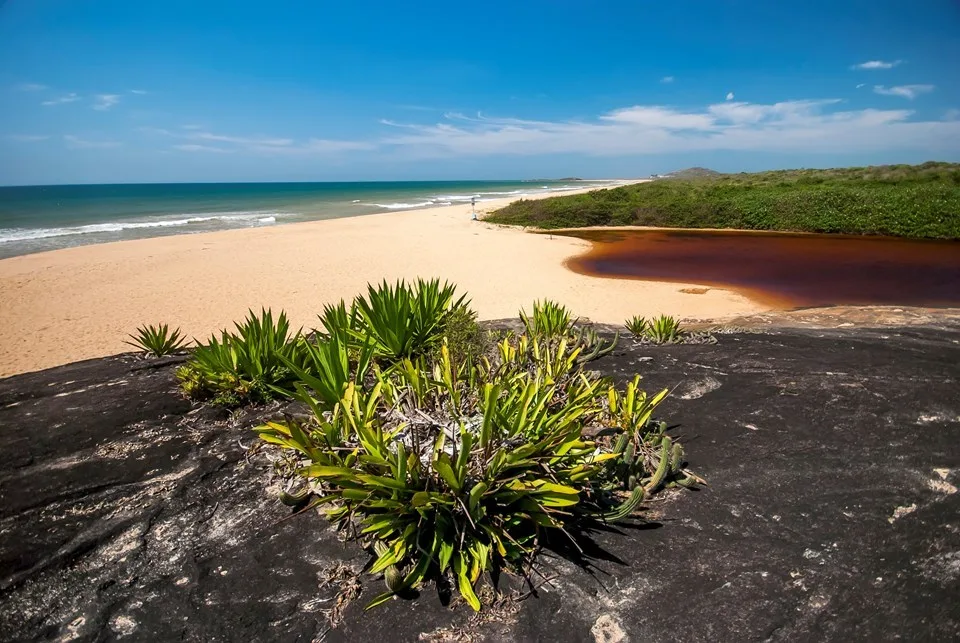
(39,218)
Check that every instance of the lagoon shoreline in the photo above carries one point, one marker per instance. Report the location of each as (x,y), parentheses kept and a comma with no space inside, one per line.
(79,303)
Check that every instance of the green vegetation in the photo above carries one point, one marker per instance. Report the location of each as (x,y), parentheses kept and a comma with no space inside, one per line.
(158,341)
(445,451)
(900,200)
(636,325)
(404,321)
(666,330)
(549,319)
(249,365)
(659,330)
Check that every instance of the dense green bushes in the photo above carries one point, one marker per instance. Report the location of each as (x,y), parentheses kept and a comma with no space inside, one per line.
(907,201)
(443,450)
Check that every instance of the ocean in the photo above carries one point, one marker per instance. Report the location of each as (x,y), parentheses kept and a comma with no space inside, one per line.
(39,218)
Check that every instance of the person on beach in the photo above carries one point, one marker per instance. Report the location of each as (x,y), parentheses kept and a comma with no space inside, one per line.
(473,207)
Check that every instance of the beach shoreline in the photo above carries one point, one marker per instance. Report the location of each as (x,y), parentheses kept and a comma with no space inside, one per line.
(77,303)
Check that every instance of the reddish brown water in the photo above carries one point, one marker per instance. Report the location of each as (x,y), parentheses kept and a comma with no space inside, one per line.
(789,270)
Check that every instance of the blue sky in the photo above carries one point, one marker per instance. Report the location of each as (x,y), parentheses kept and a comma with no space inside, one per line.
(120,91)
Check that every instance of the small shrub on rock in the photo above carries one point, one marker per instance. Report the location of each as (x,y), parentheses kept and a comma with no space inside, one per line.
(158,341)
(249,365)
(447,465)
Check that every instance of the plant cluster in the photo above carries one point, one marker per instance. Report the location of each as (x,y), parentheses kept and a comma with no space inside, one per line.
(658,330)
(158,341)
(446,452)
(455,465)
(665,330)
(250,364)
(919,201)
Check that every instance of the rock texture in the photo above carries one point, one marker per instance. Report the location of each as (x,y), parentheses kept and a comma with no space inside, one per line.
(832,512)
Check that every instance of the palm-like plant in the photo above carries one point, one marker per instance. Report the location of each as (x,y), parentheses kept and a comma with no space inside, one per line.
(158,341)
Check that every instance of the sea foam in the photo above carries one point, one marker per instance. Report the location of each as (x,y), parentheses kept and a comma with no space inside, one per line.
(31,234)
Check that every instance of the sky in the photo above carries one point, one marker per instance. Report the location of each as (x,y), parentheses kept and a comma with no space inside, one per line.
(100,91)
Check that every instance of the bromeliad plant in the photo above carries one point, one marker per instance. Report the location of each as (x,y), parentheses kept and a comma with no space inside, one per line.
(249,365)
(158,341)
(443,473)
(445,466)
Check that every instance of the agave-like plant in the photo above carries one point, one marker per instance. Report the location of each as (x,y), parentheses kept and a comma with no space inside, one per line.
(250,364)
(637,325)
(549,319)
(403,321)
(664,330)
(158,341)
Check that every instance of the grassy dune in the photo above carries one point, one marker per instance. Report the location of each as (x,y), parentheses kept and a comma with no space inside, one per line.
(921,201)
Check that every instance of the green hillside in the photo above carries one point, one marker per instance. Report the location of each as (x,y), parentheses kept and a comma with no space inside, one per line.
(920,201)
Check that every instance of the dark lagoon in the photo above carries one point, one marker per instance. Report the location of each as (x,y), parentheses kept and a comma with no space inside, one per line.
(783,269)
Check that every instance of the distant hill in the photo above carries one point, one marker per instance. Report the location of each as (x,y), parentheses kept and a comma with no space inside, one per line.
(693,173)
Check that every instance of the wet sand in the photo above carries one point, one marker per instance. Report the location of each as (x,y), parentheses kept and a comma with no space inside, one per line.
(780,269)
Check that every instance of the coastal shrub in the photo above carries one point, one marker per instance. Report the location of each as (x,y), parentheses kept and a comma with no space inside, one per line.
(403,321)
(447,465)
(907,201)
(466,339)
(158,341)
(249,365)
(549,319)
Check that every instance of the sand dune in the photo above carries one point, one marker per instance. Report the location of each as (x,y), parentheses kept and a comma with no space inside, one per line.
(80,303)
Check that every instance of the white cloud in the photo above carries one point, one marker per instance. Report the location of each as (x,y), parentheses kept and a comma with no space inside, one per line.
(859,85)
(951,115)
(820,126)
(256,144)
(28,138)
(656,116)
(877,64)
(241,140)
(201,148)
(317,146)
(905,91)
(141,92)
(106,101)
(667,79)
(816,126)
(30,87)
(729,95)
(68,98)
(78,143)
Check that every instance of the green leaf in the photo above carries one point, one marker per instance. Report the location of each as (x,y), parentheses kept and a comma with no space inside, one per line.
(443,467)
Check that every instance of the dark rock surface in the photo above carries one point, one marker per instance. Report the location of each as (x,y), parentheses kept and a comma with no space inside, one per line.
(832,511)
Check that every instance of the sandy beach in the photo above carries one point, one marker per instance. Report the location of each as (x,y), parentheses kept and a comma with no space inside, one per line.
(80,303)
